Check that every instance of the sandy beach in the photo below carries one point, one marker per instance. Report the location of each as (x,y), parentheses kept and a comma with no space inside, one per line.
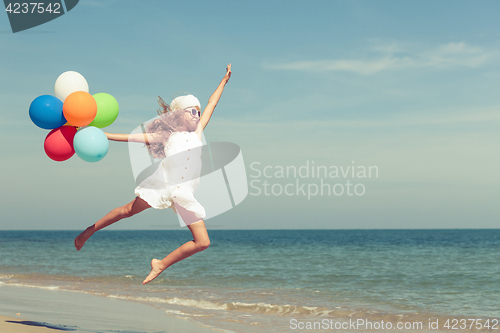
(34,310)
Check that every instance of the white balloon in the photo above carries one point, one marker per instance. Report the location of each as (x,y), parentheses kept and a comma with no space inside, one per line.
(69,82)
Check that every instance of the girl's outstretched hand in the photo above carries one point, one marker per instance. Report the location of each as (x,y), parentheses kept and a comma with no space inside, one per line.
(228,72)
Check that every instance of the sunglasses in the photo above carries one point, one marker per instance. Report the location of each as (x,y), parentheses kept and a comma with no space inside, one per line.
(194,112)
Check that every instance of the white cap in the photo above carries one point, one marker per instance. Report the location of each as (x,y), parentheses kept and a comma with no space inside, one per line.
(183,102)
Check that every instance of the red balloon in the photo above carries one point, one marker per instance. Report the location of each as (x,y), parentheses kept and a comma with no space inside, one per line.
(58,144)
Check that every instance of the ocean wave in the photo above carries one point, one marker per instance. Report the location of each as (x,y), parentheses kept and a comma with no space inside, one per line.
(261,307)
(250,310)
(201,304)
(26,285)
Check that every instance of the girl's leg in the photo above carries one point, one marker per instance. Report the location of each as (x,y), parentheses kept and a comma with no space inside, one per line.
(135,206)
(199,243)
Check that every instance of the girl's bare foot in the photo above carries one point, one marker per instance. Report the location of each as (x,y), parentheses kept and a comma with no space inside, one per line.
(82,238)
(156,268)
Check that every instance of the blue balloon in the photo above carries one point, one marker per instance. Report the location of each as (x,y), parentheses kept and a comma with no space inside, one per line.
(91,144)
(47,112)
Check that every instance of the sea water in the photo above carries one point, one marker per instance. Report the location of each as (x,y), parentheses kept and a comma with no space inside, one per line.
(273,280)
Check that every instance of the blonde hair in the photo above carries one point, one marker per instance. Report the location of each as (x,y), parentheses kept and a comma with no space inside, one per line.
(166,124)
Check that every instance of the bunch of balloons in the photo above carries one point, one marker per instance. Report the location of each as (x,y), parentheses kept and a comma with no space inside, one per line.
(74,117)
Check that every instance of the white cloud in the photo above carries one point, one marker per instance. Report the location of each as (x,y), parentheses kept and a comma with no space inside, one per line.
(393,57)
(439,117)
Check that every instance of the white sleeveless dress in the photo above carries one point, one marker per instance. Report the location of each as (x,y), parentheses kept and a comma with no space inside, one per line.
(167,187)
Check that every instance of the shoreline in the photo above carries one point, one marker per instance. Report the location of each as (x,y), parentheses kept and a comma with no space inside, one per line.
(39,309)
(33,310)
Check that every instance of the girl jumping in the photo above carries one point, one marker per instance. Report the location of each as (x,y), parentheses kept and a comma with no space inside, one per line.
(178,129)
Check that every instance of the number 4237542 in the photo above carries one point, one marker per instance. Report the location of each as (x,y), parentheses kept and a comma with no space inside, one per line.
(33,7)
(455,324)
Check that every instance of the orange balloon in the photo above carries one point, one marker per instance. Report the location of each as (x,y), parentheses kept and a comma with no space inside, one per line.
(79,108)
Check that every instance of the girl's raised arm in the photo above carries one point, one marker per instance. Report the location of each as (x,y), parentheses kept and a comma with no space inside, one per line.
(212,102)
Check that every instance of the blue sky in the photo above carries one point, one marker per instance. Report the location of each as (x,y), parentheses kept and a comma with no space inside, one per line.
(409,87)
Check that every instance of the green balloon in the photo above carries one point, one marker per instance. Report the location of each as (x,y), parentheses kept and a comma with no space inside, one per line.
(107,110)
